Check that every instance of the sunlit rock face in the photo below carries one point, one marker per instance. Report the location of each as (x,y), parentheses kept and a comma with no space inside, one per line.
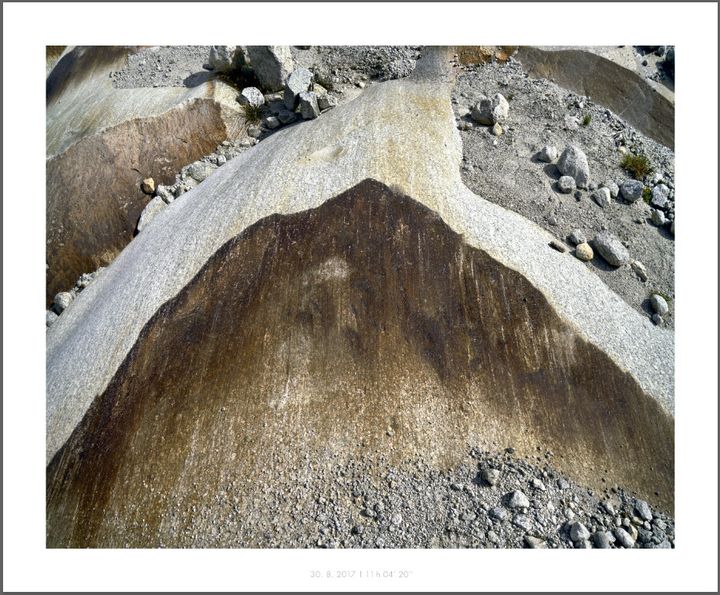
(607,83)
(365,327)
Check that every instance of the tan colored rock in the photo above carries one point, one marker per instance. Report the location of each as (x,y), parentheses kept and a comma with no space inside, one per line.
(148,186)
(584,252)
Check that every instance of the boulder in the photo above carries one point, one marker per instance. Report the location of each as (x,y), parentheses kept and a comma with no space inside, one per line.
(226,58)
(611,249)
(548,154)
(272,65)
(632,190)
(326,102)
(62,300)
(300,80)
(200,170)
(574,163)
(613,187)
(566,184)
(602,197)
(490,111)
(308,105)
(251,96)
(659,304)
(660,196)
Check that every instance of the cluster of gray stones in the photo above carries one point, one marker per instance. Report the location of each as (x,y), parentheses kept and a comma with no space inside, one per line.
(301,98)
(63,299)
(493,500)
(573,165)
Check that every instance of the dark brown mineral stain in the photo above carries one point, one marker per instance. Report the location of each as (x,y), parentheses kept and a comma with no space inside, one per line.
(363,326)
(94,198)
(607,83)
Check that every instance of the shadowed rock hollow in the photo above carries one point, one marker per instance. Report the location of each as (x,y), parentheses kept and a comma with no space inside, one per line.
(364,327)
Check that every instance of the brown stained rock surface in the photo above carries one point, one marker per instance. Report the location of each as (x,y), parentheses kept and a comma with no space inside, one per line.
(94,195)
(365,327)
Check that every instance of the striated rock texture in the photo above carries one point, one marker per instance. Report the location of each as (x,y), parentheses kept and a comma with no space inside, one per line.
(607,83)
(102,142)
(363,327)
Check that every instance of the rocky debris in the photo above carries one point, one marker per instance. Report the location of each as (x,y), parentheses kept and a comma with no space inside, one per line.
(62,300)
(657,217)
(490,111)
(624,538)
(548,154)
(251,96)
(326,102)
(148,186)
(574,163)
(533,542)
(165,193)
(579,532)
(308,105)
(272,122)
(272,65)
(200,170)
(632,190)
(566,184)
(156,205)
(490,475)
(611,249)
(639,269)
(299,81)
(286,117)
(537,484)
(602,197)
(50,318)
(659,304)
(643,510)
(496,129)
(584,252)
(612,187)
(660,196)
(517,499)
(602,539)
(162,66)
(226,58)
(577,236)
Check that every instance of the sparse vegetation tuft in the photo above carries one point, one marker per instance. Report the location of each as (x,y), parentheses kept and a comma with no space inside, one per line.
(252,113)
(638,166)
(587,118)
(647,195)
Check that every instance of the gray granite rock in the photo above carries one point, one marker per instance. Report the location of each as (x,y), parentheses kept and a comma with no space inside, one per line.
(574,163)
(602,197)
(660,196)
(299,81)
(50,317)
(577,236)
(631,190)
(489,111)
(517,499)
(579,532)
(271,64)
(61,301)
(251,96)
(308,105)
(613,187)
(566,184)
(624,538)
(659,305)
(611,249)
(225,58)
(199,170)
(548,154)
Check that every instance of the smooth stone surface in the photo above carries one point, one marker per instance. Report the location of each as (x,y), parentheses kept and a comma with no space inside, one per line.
(574,163)
(611,249)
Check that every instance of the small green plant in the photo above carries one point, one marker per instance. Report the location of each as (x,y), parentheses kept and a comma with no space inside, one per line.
(252,113)
(510,96)
(638,166)
(647,195)
(587,118)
